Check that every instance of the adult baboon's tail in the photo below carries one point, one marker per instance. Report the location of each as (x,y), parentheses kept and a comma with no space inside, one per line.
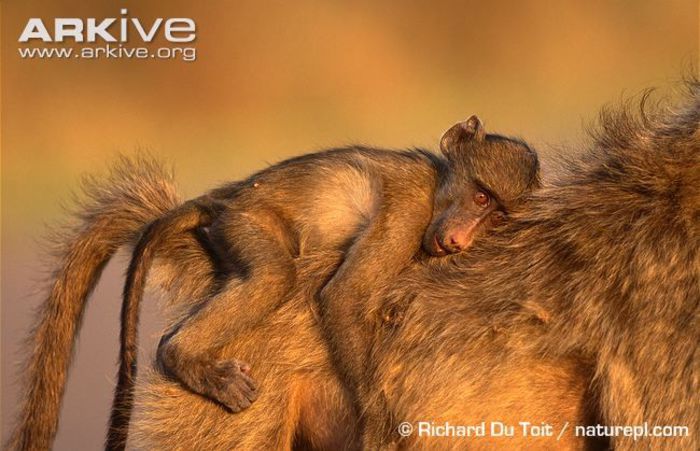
(136,192)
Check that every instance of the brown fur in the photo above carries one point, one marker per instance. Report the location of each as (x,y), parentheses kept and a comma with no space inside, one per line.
(292,365)
(584,310)
(135,193)
(299,382)
(593,289)
(601,265)
(139,192)
(317,202)
(156,234)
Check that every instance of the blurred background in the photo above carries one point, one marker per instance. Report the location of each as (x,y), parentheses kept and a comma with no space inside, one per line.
(274,79)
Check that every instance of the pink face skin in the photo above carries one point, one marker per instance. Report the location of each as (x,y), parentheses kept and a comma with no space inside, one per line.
(459,217)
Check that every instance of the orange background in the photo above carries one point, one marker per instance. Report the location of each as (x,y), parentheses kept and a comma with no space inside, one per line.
(274,79)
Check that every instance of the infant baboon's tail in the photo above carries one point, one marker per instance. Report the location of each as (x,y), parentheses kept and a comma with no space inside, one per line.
(191,215)
(115,210)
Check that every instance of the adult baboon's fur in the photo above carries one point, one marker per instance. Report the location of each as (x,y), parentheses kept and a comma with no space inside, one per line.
(134,194)
(585,310)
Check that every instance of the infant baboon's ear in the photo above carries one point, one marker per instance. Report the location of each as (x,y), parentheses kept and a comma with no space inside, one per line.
(470,130)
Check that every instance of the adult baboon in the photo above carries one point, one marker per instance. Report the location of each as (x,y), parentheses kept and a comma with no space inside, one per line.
(585,310)
(602,266)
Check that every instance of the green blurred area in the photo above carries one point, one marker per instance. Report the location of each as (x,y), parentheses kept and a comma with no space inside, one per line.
(274,79)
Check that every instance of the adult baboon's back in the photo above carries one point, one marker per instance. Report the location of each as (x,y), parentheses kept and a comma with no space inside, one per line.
(602,266)
(587,305)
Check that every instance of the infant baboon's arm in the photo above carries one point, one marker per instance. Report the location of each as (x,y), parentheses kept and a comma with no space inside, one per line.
(487,174)
(350,300)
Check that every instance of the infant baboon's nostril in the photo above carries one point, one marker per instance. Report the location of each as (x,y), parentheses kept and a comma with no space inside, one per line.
(437,246)
(452,244)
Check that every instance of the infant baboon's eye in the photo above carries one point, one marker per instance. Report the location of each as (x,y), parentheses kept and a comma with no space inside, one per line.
(482,199)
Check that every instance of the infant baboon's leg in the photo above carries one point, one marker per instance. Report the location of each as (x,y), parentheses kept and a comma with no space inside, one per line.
(258,242)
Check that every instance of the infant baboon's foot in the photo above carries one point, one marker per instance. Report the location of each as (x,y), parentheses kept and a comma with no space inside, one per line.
(228,382)
(225,381)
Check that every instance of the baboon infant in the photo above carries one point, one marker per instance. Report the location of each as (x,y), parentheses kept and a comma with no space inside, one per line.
(327,200)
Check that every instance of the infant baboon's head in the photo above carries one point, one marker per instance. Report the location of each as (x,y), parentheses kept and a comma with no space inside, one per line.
(486,176)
